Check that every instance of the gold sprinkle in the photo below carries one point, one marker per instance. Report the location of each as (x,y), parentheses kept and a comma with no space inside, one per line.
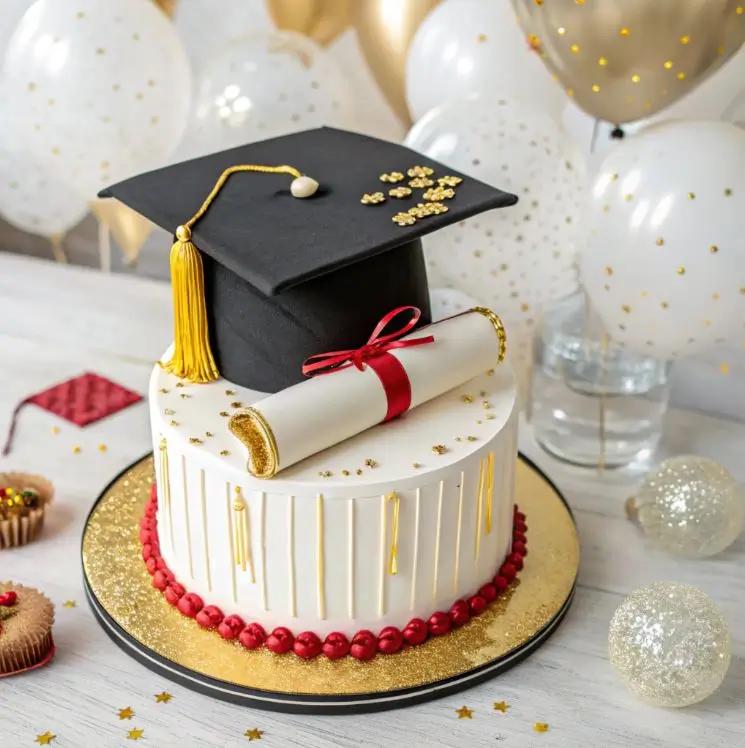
(472,438)
(635,78)
(102,448)
(169,411)
(359,471)
(715,296)
(369,462)
(224,414)
(524,307)
(490,373)
(236,404)
(100,51)
(660,242)
(487,405)
(668,64)
(608,270)
(483,393)
(681,270)
(345,473)
(416,465)
(208,433)
(163,391)
(724,368)
(739,10)
(481,38)
(606,287)
(180,384)
(459,438)
(540,727)
(230,393)
(467,398)
(76,450)
(681,76)
(664,305)
(570,92)
(628,198)
(707,323)
(479,421)
(55,429)
(325,474)
(595,88)
(439,449)
(225,452)
(727,192)
(713,249)
(626,308)
(643,294)
(561,31)
(184,396)
(624,31)
(174,423)
(490,416)
(691,195)
(574,48)
(602,61)
(195,440)
(685,39)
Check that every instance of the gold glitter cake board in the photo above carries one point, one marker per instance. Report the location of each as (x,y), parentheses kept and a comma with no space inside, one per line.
(140,621)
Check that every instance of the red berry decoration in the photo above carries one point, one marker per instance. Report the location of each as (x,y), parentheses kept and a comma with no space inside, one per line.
(174,592)
(152,565)
(145,534)
(519,547)
(209,617)
(489,593)
(364,645)
(190,604)
(8,599)
(439,624)
(508,571)
(516,560)
(147,551)
(519,527)
(477,605)
(148,522)
(390,640)
(336,646)
(416,631)
(459,613)
(160,580)
(501,583)
(231,627)
(307,645)
(519,517)
(252,636)
(280,640)
(519,537)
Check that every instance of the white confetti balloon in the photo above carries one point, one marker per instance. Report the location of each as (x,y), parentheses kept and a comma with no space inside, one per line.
(665,264)
(266,85)
(102,89)
(472,46)
(514,259)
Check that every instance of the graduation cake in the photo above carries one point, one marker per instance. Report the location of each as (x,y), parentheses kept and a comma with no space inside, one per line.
(335,472)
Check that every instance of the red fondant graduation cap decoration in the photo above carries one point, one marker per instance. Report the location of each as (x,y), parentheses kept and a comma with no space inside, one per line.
(81,400)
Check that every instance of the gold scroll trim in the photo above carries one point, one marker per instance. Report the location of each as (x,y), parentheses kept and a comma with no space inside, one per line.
(498,328)
(253,431)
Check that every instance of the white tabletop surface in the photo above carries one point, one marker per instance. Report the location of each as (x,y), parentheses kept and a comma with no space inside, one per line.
(56,322)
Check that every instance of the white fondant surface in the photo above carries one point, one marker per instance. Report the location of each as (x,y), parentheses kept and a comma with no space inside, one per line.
(444,549)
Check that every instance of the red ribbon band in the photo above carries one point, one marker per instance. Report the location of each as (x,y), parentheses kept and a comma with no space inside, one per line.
(376,354)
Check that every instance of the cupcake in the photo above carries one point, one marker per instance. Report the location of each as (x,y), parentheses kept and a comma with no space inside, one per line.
(26,618)
(23,502)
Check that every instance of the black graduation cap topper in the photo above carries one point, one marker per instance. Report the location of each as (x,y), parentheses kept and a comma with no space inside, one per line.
(262,280)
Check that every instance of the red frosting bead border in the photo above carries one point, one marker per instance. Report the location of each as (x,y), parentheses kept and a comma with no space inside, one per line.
(364,645)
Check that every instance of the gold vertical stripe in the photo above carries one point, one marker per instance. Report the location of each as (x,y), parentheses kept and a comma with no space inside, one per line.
(229,510)
(186,517)
(165,479)
(415,563)
(291,561)
(262,549)
(457,530)
(480,510)
(438,533)
(321,582)
(393,556)
(489,490)
(205,530)
(383,533)
(351,559)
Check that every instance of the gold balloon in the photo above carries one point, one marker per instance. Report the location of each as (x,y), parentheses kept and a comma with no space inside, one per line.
(128,228)
(321,20)
(623,61)
(385,29)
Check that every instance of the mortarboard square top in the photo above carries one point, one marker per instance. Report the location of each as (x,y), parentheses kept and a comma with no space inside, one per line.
(285,278)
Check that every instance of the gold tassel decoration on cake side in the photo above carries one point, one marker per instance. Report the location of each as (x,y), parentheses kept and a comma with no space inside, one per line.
(243,554)
(489,490)
(393,556)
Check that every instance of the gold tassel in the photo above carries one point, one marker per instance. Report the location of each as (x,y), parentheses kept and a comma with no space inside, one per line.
(192,356)
(393,558)
(489,490)
(243,554)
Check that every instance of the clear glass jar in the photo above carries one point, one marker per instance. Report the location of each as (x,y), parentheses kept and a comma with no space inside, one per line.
(592,402)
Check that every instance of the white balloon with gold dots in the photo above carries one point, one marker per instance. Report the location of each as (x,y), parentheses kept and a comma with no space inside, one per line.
(514,259)
(102,89)
(665,263)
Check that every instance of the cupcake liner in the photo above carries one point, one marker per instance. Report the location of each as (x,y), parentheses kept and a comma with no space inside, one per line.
(19,531)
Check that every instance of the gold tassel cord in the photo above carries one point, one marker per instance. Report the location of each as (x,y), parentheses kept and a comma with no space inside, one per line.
(243,554)
(192,357)
(489,490)
(393,556)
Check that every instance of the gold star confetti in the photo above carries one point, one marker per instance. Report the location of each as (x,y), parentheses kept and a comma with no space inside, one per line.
(163,698)
(501,706)
(135,734)
(254,734)
(45,739)
(541,727)
(126,713)
(70,604)
(464,713)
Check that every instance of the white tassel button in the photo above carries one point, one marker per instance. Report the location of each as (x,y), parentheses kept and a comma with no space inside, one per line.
(303,187)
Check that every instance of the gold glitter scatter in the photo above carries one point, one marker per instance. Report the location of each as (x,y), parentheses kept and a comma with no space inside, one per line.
(325,474)
(102,448)
(55,429)
(490,373)
(664,305)
(602,61)
(574,48)
(472,438)
(369,462)
(76,450)
(635,78)
(501,706)
(660,242)
(194,440)
(180,384)
(70,604)
(173,423)
(595,88)
(225,452)
(135,734)
(691,195)
(224,414)
(184,396)
(236,404)
(45,738)
(724,368)
(681,270)
(541,727)
(253,734)
(713,249)
(626,309)
(126,713)
(163,697)
(481,38)
(685,39)
(230,393)
(681,76)
(464,713)
(439,449)
(359,471)
(163,391)
(707,323)
(466,398)
(345,473)
(608,270)
(487,405)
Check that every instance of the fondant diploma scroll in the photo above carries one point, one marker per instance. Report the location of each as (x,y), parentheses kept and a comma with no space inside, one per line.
(352,391)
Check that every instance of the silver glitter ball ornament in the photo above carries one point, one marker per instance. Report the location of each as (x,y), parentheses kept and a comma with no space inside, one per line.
(691,507)
(670,644)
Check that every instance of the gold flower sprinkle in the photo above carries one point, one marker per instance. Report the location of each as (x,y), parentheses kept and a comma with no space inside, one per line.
(359,471)
(76,450)
(195,440)
(472,438)
(487,405)
(169,411)
(184,396)
(459,438)
(225,452)
(404,219)
(436,194)
(420,171)
(449,181)
(102,448)
(399,192)
(372,198)
(173,423)
(369,462)
(180,384)
(713,249)
(236,404)
(208,433)
(224,414)
(345,473)
(325,474)
(466,398)
(439,449)
(163,391)
(490,373)
(681,270)
(420,183)
(659,242)
(415,465)
(392,177)
(230,393)
(490,416)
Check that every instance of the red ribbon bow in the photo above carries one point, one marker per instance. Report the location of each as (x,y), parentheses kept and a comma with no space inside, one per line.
(376,354)
(8,599)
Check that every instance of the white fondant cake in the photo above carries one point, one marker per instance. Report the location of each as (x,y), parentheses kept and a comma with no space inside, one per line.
(316,547)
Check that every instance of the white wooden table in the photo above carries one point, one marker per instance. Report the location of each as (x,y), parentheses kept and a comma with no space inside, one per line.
(56,322)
